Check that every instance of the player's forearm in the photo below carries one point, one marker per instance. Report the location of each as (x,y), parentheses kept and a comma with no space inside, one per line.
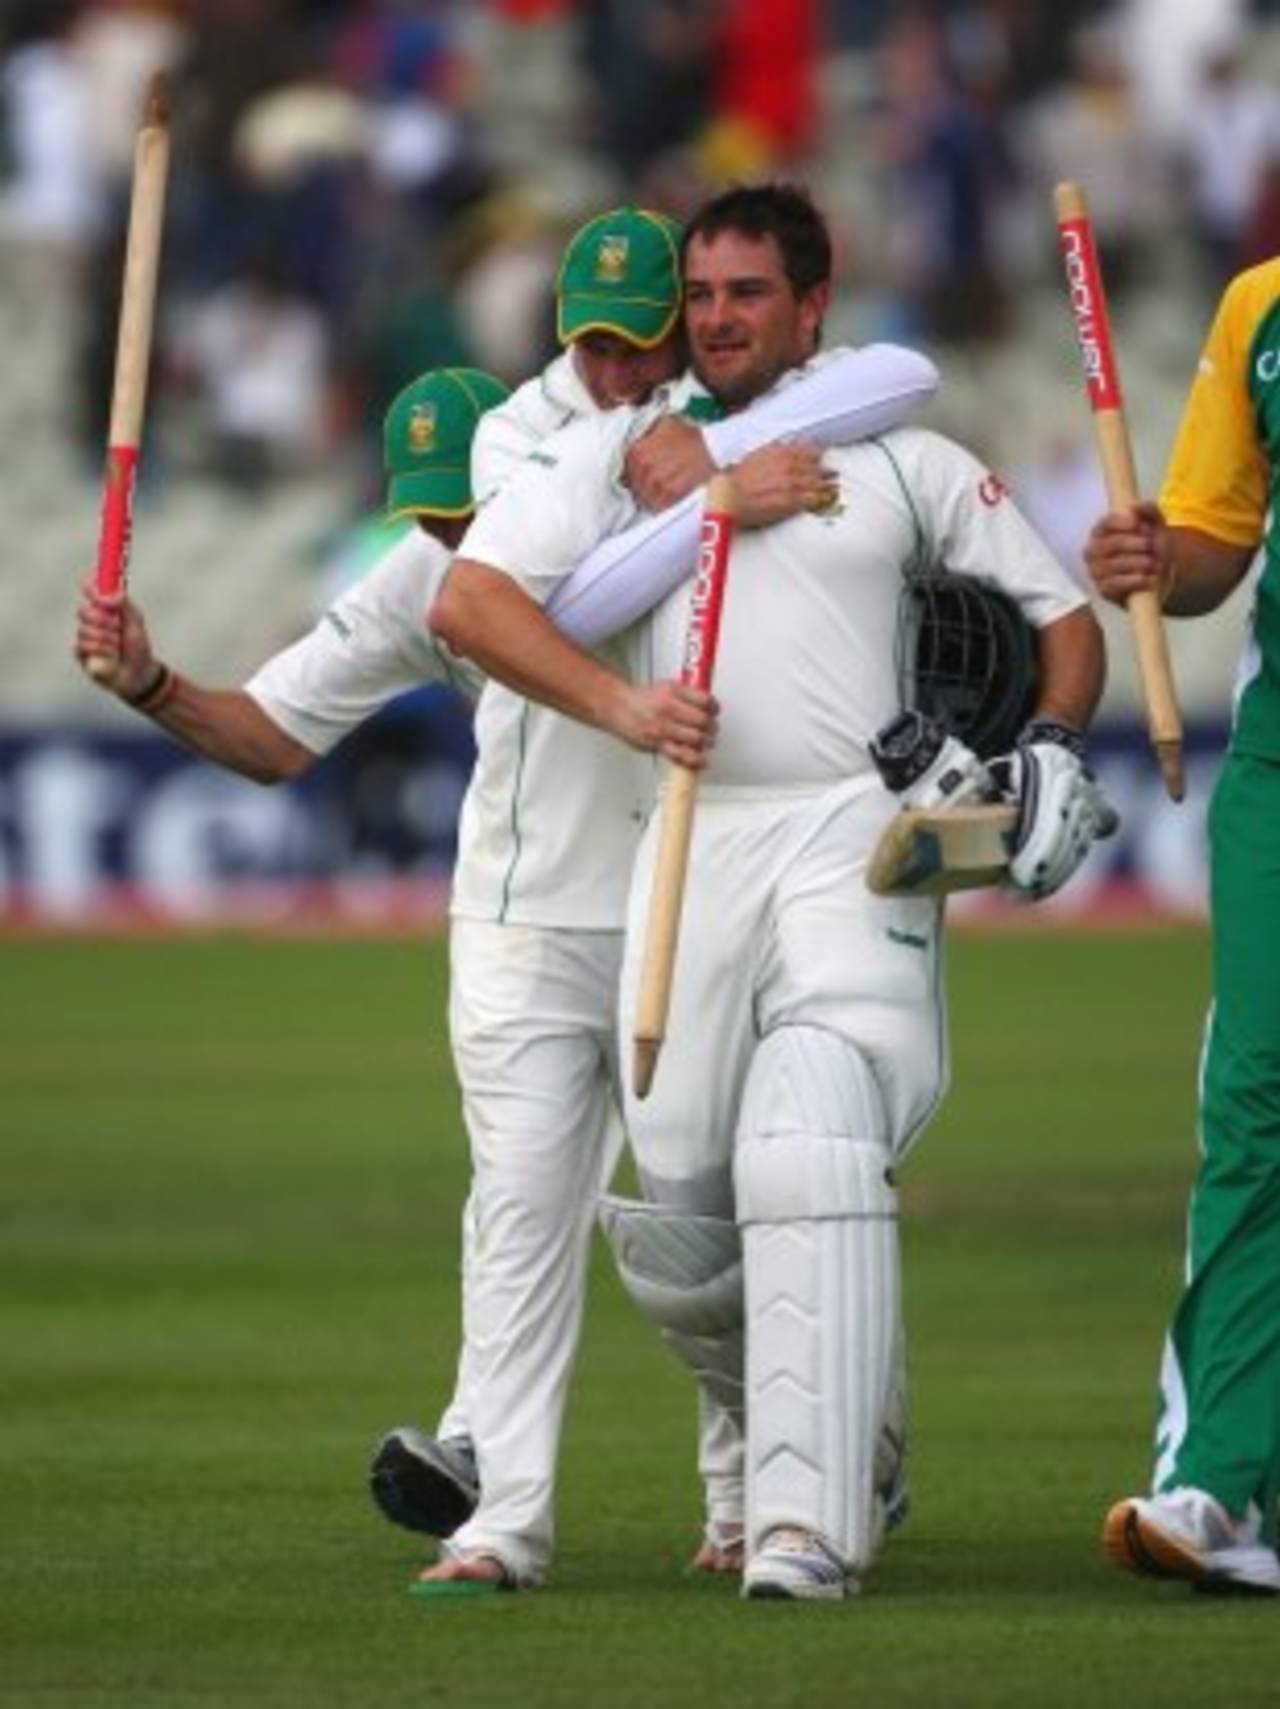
(229,728)
(482,615)
(628,574)
(1202,572)
(849,395)
(1073,668)
(1137,551)
(853,394)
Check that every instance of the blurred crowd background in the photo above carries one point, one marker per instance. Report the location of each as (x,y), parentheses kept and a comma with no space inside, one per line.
(365,188)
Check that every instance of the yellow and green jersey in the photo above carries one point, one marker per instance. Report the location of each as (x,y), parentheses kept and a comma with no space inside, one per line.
(1224,475)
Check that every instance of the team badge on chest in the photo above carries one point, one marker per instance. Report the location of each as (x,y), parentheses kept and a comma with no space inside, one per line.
(829,506)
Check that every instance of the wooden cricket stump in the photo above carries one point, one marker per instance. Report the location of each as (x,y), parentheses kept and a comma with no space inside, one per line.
(662,934)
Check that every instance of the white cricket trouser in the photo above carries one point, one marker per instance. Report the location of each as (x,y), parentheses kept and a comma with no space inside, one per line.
(779,929)
(781,941)
(532,1017)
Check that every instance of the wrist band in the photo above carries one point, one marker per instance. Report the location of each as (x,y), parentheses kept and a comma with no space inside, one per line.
(157,693)
(1052,732)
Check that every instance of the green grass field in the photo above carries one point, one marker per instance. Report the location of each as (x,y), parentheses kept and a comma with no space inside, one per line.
(229,1184)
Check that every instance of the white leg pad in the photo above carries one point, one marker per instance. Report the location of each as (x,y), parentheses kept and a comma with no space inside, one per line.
(684,1271)
(819,1216)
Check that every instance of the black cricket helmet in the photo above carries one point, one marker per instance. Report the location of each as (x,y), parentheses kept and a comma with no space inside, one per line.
(966,657)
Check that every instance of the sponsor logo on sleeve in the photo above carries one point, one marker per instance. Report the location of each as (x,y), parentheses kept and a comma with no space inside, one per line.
(991,489)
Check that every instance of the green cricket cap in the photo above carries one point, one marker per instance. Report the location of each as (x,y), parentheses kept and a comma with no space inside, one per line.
(426,441)
(621,274)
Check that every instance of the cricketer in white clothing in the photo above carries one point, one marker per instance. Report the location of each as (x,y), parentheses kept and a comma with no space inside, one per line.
(548,834)
(806,1045)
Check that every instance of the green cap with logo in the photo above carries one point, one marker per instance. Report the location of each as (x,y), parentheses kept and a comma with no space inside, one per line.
(621,274)
(426,441)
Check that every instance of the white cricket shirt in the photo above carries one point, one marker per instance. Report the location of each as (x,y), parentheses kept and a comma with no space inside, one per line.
(806,673)
(554,811)
(369,646)
(806,670)
(542,406)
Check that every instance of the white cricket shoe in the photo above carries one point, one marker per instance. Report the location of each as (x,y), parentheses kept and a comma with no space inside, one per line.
(796,1566)
(1186,1534)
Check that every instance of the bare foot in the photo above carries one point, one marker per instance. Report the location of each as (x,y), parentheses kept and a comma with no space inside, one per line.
(470,1569)
(718,1555)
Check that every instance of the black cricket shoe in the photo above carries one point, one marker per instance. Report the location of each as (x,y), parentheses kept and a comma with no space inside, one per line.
(425,1484)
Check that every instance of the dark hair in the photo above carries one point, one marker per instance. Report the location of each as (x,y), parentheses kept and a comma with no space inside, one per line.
(783,212)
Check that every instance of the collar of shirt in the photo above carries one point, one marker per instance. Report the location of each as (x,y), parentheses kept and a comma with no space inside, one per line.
(563,386)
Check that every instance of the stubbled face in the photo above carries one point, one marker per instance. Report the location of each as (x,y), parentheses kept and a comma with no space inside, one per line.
(616,372)
(745,324)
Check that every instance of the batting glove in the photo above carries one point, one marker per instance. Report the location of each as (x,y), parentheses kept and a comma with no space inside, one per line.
(926,767)
(1061,809)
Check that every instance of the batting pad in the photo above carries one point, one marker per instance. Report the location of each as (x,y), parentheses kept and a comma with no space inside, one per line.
(684,1271)
(819,1218)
